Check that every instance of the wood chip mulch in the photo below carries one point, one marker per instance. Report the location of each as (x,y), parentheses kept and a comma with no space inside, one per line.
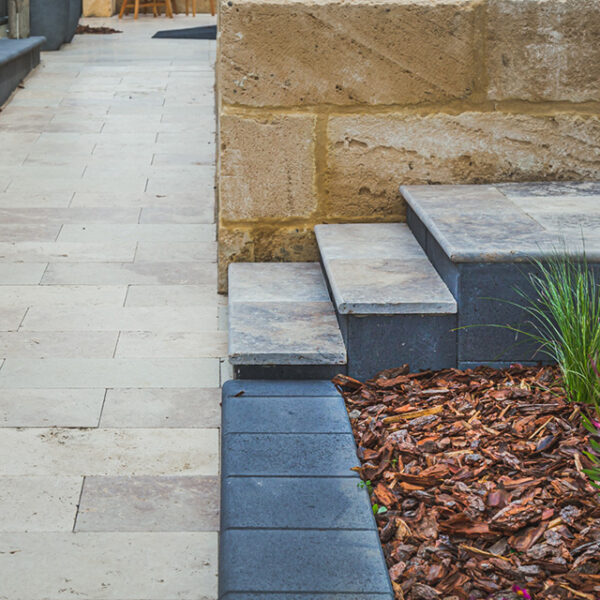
(97,30)
(481,475)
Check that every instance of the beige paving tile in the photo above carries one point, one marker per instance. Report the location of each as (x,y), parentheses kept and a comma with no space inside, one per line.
(173,295)
(109,566)
(60,199)
(21,373)
(29,233)
(51,408)
(135,318)
(176,252)
(59,216)
(184,273)
(10,317)
(145,407)
(200,213)
(173,159)
(18,274)
(57,344)
(116,198)
(140,233)
(38,504)
(182,344)
(66,252)
(72,452)
(149,503)
(19,297)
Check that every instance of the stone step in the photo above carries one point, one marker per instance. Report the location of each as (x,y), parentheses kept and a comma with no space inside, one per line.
(17,58)
(282,323)
(392,305)
(481,239)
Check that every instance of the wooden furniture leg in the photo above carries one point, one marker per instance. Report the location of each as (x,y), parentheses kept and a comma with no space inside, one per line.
(194,7)
(169,8)
(136,10)
(212,8)
(123,9)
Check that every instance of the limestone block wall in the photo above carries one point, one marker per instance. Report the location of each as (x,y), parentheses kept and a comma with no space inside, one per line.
(327,106)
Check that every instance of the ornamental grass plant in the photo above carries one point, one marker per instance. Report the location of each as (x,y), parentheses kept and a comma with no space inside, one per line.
(563,309)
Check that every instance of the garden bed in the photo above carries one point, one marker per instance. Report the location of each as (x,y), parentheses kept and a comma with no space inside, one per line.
(477,481)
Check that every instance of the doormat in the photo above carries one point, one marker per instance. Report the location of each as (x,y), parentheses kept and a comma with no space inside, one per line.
(208,32)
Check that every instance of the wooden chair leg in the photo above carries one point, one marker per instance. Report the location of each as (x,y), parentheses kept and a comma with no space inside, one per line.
(169,8)
(212,8)
(194,7)
(136,10)
(123,9)
(154,9)
(187,7)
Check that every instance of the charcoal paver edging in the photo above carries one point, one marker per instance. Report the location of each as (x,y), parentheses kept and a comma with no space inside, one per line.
(294,522)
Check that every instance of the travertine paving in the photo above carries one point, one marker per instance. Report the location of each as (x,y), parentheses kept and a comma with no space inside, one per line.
(112,335)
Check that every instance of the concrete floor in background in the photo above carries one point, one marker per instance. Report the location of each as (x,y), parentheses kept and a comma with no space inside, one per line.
(112,335)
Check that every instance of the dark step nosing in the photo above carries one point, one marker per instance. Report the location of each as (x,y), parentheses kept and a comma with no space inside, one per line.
(294,414)
(302,561)
(279,389)
(327,503)
(275,454)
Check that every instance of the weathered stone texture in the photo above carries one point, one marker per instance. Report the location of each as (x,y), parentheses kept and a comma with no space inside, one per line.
(267,167)
(366,51)
(544,50)
(238,243)
(371,155)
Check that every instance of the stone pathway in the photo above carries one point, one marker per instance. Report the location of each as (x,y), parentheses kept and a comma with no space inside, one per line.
(112,335)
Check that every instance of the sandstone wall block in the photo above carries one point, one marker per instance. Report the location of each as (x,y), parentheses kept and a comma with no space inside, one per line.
(241,243)
(98,8)
(267,167)
(544,50)
(297,53)
(371,155)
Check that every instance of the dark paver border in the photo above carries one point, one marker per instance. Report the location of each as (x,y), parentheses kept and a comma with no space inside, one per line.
(294,522)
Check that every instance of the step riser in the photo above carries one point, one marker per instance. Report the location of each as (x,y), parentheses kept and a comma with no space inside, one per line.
(288,372)
(376,343)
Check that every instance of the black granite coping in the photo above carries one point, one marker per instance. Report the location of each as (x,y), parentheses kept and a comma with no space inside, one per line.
(294,522)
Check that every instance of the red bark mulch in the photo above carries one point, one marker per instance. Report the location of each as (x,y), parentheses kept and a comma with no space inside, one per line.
(481,475)
(96,30)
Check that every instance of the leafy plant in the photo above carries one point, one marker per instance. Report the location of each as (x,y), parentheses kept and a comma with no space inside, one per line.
(362,484)
(379,510)
(564,311)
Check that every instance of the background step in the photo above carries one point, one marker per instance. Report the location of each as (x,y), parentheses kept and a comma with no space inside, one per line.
(289,497)
(481,239)
(17,58)
(282,323)
(392,305)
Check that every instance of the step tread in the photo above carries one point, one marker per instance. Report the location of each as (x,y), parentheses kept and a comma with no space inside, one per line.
(380,268)
(510,222)
(281,314)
